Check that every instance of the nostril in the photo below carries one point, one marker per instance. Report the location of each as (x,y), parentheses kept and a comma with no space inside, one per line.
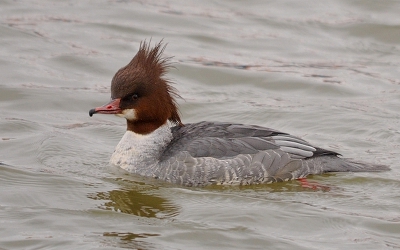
(109,107)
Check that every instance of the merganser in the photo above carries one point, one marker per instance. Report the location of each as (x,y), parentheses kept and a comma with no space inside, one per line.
(204,153)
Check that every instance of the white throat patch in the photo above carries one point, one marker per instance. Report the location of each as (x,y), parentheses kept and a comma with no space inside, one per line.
(129,114)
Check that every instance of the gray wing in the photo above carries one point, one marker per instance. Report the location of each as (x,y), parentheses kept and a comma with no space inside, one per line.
(225,140)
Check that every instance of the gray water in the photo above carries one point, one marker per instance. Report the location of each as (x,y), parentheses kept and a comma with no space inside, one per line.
(327,71)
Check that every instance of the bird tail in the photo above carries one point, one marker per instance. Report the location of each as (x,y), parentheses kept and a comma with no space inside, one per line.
(324,164)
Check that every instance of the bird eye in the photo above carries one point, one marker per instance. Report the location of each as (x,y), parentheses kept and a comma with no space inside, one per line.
(134,97)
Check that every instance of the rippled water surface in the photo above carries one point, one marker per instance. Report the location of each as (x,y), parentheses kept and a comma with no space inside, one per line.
(327,71)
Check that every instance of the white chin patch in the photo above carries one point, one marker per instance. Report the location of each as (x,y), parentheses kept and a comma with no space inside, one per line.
(128,114)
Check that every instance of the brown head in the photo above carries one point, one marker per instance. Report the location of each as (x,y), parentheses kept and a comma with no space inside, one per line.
(141,94)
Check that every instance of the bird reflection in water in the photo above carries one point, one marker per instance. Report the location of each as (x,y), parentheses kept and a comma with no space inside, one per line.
(136,200)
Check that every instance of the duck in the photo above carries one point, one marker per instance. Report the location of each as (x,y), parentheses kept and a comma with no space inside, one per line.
(158,145)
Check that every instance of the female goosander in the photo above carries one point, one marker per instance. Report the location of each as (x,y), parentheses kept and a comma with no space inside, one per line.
(203,153)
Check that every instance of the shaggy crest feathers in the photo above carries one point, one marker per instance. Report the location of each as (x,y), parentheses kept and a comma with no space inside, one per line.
(159,65)
(151,58)
(148,67)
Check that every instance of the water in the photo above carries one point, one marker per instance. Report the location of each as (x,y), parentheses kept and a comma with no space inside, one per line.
(328,72)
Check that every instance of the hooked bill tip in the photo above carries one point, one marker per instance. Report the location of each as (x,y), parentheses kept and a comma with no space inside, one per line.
(91,112)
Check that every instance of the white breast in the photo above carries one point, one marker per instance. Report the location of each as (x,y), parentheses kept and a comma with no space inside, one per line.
(135,151)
